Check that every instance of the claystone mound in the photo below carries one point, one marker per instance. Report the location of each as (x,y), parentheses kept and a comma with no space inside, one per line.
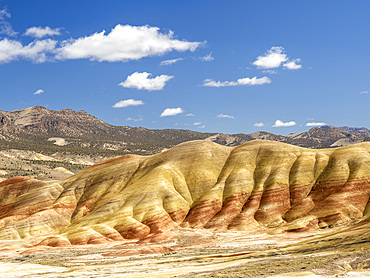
(260,186)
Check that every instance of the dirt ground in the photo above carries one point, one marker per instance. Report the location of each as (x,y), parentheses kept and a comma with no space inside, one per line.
(198,253)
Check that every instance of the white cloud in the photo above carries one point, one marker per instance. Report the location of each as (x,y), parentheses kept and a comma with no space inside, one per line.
(207,58)
(171,112)
(203,126)
(39,32)
(36,51)
(270,71)
(292,65)
(170,62)
(123,43)
(261,124)
(279,123)
(364,92)
(240,82)
(128,102)
(142,81)
(38,92)
(189,115)
(315,124)
(197,123)
(4,14)
(10,50)
(6,27)
(225,116)
(272,58)
(134,120)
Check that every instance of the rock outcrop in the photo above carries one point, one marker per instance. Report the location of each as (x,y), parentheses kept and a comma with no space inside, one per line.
(260,186)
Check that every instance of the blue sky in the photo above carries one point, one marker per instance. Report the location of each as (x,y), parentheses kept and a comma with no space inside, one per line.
(210,66)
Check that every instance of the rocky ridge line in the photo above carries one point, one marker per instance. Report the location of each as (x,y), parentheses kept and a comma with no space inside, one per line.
(35,128)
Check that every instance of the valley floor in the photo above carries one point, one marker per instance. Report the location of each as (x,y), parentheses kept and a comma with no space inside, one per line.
(199,253)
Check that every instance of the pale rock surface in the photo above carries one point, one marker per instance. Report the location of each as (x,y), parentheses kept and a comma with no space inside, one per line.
(59,141)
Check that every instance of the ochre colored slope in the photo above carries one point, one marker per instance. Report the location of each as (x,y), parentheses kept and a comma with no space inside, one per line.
(260,185)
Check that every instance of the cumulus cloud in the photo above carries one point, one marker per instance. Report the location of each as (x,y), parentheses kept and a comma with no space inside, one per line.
(197,123)
(292,65)
(171,112)
(189,115)
(142,81)
(364,92)
(36,51)
(279,123)
(38,92)
(5,27)
(261,124)
(315,124)
(11,50)
(207,58)
(170,62)
(124,43)
(128,102)
(225,116)
(39,32)
(240,82)
(274,58)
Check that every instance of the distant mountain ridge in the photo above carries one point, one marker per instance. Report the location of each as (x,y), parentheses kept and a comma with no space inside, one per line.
(316,138)
(34,127)
(355,129)
(38,128)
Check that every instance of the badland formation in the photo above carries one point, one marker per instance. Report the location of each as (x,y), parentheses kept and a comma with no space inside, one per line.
(187,197)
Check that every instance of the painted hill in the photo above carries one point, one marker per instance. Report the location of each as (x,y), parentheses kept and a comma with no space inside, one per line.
(262,186)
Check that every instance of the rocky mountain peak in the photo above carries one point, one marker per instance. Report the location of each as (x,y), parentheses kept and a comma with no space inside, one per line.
(40,119)
(27,116)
